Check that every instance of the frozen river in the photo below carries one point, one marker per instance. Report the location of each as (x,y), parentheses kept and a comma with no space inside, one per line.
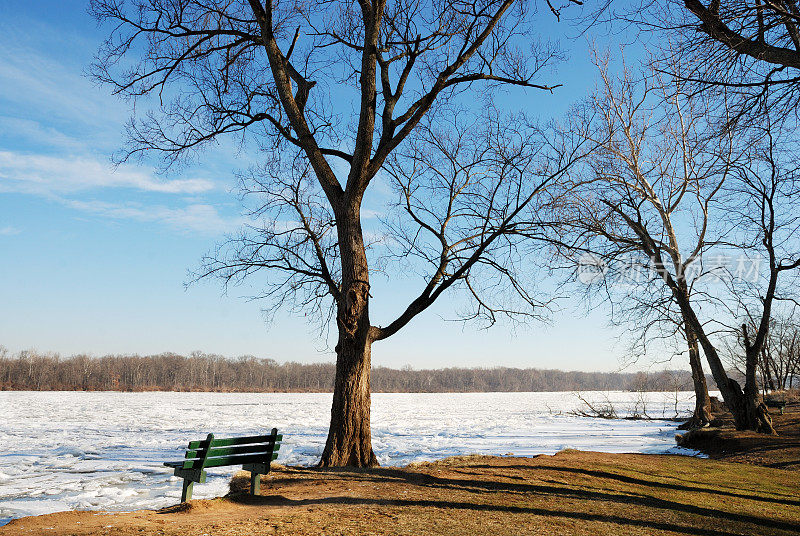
(77,450)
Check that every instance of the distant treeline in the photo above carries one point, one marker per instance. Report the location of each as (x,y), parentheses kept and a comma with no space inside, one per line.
(29,370)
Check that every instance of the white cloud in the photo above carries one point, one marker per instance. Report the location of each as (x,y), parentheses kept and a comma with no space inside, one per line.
(200,218)
(46,86)
(53,175)
(53,124)
(9,230)
(37,133)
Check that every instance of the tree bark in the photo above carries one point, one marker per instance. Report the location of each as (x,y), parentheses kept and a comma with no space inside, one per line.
(349,436)
(702,405)
(731,391)
(754,414)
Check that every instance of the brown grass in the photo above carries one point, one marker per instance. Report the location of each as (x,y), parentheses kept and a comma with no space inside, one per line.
(573,492)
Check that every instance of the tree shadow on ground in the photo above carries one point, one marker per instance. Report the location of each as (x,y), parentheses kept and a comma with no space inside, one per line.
(278,500)
(485,489)
(653,483)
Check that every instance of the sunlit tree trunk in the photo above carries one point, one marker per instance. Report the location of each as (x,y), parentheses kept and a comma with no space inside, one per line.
(349,437)
(702,405)
(754,414)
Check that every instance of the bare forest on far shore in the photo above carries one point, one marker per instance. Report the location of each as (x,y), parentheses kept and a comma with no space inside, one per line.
(31,370)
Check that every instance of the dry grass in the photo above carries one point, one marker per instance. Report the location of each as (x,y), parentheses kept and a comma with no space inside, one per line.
(572,492)
(787,395)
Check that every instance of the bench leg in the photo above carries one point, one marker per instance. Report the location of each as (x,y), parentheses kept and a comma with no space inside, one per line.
(255,483)
(188,485)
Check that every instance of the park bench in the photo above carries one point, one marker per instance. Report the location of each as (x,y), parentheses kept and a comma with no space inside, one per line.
(775,403)
(253,453)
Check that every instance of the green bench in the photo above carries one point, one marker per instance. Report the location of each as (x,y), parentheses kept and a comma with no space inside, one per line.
(775,403)
(253,453)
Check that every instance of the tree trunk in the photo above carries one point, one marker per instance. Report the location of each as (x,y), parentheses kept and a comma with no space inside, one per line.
(731,391)
(767,370)
(702,405)
(754,414)
(349,436)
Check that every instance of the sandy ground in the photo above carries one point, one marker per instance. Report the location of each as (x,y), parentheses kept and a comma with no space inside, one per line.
(569,493)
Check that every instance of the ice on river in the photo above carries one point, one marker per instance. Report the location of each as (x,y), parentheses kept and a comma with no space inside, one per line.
(77,450)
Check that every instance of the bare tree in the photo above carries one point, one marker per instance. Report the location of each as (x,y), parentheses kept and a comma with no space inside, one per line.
(764,31)
(762,209)
(747,176)
(288,74)
(751,50)
(640,211)
(467,198)
(781,355)
(247,374)
(778,362)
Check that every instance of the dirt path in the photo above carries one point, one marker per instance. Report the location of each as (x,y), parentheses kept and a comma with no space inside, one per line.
(569,493)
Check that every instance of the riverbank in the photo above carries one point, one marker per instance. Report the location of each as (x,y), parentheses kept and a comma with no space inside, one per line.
(723,442)
(572,492)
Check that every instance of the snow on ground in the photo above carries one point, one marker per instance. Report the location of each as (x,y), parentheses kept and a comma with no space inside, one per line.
(77,450)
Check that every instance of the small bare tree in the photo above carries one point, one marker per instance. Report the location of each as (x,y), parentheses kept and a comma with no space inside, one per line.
(781,356)
(762,208)
(778,362)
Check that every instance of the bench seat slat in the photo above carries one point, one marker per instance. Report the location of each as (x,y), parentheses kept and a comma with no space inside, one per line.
(230,441)
(233,460)
(227,451)
(240,460)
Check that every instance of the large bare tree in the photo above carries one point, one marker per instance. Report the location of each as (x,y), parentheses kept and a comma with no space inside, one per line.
(763,31)
(333,92)
(651,189)
(642,204)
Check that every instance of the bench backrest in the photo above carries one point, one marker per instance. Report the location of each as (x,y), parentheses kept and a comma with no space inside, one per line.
(211,452)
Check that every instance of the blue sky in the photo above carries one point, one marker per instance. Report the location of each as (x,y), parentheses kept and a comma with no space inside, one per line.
(95,260)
